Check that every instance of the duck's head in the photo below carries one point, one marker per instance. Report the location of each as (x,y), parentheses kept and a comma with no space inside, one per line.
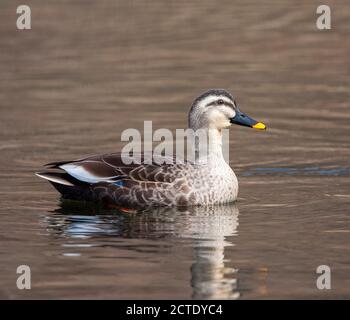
(217,109)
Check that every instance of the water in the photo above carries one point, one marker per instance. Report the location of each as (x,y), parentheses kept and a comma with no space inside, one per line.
(87,71)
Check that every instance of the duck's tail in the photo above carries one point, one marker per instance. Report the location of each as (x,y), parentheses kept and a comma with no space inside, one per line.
(68,186)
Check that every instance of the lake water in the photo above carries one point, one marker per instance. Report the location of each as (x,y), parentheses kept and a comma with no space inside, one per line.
(88,70)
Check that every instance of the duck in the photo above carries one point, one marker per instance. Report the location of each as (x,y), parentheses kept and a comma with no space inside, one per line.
(205,180)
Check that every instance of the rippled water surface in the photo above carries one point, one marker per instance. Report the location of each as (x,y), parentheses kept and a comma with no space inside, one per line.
(88,70)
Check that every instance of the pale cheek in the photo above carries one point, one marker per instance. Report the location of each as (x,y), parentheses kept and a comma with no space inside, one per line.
(225,124)
(218,120)
(233,114)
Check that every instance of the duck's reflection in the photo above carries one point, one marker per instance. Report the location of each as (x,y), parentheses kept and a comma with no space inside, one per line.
(206,229)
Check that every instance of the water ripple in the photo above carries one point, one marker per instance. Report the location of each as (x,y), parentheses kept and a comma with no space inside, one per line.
(314,171)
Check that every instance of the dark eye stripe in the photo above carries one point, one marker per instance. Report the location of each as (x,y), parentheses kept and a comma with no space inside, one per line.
(216,103)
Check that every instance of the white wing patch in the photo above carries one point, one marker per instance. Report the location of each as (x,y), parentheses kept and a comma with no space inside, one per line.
(78,172)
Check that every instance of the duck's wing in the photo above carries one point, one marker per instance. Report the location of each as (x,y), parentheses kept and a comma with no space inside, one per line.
(112,167)
(108,177)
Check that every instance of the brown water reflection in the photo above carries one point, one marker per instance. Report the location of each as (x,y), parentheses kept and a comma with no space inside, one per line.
(88,70)
(204,229)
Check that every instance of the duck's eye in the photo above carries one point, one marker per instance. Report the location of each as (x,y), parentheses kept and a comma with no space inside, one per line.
(220,101)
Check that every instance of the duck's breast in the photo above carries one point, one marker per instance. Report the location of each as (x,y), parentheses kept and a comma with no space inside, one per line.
(205,185)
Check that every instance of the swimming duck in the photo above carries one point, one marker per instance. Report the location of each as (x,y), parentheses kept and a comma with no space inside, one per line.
(107,179)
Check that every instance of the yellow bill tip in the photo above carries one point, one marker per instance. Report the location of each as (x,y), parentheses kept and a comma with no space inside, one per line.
(259,126)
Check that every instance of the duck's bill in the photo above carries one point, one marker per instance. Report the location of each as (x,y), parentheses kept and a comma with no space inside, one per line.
(243,120)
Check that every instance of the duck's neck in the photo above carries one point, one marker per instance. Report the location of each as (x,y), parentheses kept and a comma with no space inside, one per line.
(213,150)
